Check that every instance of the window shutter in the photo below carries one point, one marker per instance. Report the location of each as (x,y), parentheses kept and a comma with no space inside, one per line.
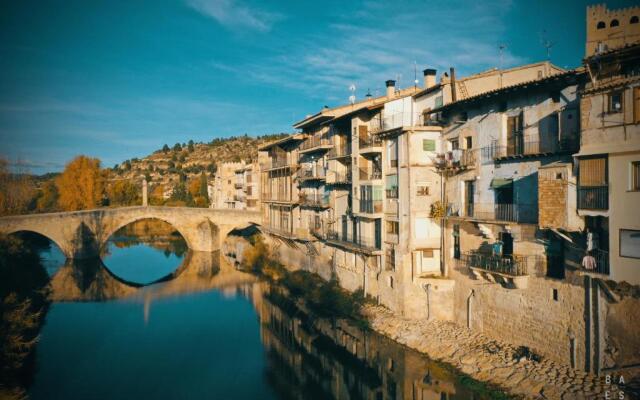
(363,131)
(593,172)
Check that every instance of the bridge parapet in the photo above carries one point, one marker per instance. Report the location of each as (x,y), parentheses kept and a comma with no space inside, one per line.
(83,234)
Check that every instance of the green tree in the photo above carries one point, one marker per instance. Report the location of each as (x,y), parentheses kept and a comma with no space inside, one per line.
(124,193)
(177,147)
(165,148)
(204,187)
(190,146)
(17,191)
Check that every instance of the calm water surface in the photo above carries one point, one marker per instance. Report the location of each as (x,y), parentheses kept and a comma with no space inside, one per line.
(206,330)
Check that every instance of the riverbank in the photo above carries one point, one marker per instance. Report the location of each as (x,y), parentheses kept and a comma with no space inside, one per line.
(488,360)
(474,354)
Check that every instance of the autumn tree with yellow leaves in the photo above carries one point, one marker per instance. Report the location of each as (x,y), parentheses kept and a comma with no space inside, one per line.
(81,185)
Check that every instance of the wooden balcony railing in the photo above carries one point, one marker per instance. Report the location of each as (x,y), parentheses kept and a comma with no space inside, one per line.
(593,197)
(364,243)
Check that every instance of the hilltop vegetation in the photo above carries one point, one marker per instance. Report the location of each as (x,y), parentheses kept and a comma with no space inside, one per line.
(177,175)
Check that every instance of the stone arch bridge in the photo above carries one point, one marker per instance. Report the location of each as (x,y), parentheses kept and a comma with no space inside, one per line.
(82,234)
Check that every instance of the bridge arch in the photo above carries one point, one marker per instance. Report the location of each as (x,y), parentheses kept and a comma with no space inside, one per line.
(111,230)
(54,238)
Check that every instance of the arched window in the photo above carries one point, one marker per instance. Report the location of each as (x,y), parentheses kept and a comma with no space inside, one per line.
(601,25)
(634,20)
(614,22)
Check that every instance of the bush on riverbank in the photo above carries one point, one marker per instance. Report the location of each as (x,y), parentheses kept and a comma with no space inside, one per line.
(324,298)
(23,304)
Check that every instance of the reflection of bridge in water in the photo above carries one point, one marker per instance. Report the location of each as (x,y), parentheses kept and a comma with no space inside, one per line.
(90,280)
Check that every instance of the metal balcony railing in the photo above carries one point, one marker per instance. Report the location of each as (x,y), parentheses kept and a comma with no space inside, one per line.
(369,142)
(365,243)
(342,177)
(315,142)
(277,196)
(311,173)
(392,193)
(370,206)
(278,163)
(513,265)
(593,197)
(523,213)
(366,175)
(520,146)
(456,159)
(339,151)
(601,264)
(313,200)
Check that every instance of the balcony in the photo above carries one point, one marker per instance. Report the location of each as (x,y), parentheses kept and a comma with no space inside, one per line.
(520,213)
(521,147)
(277,163)
(370,144)
(238,184)
(456,160)
(309,174)
(366,245)
(278,197)
(600,262)
(370,206)
(510,271)
(237,197)
(366,175)
(593,197)
(341,178)
(315,143)
(392,193)
(339,152)
(313,200)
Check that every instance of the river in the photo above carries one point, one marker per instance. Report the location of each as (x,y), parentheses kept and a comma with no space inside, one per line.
(153,321)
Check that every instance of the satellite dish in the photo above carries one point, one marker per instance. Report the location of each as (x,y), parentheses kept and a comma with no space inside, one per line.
(352,88)
(352,98)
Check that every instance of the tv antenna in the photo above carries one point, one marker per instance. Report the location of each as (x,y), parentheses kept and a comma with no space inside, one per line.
(352,89)
(547,44)
(501,48)
(415,74)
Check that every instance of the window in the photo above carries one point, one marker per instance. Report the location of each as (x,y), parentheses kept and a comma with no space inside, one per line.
(555,294)
(428,145)
(614,22)
(629,243)
(428,253)
(615,102)
(391,282)
(392,186)
(423,190)
(539,74)
(390,257)
(634,20)
(635,176)
(455,145)
(636,105)
(468,142)
(393,227)
(601,25)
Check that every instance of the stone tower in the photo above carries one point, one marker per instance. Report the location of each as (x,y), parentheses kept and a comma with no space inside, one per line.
(610,29)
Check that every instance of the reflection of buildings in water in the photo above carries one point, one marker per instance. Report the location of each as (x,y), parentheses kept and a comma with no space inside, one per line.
(320,359)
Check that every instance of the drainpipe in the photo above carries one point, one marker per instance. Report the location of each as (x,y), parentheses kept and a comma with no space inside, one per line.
(426,289)
(472,293)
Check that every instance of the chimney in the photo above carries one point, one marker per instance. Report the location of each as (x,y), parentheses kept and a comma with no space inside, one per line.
(429,77)
(391,87)
(454,95)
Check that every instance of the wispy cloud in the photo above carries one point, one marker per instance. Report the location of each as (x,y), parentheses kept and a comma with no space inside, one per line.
(233,14)
(382,42)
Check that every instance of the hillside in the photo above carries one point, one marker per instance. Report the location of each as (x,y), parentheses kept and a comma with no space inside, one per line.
(186,160)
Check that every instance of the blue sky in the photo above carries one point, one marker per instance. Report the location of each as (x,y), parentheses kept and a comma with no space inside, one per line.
(118,79)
